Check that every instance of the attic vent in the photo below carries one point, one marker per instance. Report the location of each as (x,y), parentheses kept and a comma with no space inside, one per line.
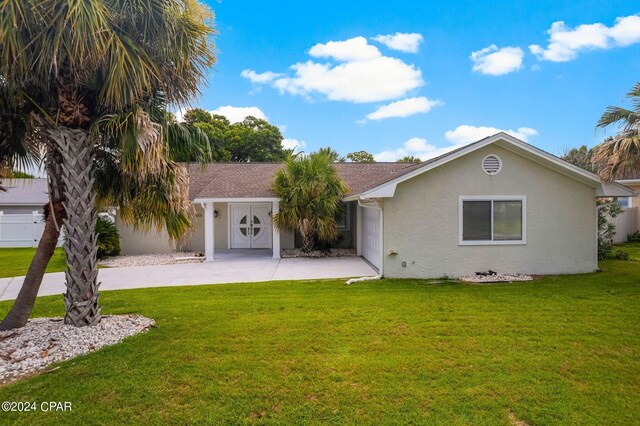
(491,165)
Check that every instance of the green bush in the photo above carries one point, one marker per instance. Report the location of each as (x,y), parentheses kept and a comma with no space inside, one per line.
(620,255)
(108,237)
(634,238)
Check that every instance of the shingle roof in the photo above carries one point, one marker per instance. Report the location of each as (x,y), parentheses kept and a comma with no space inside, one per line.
(252,180)
(24,192)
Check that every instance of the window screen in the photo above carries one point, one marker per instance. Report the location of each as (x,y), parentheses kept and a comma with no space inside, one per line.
(492,220)
(476,219)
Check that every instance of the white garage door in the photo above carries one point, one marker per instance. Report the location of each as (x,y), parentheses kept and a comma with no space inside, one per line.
(370,230)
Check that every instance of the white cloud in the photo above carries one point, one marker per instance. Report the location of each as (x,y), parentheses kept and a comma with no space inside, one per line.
(459,137)
(255,77)
(465,134)
(363,74)
(565,43)
(404,42)
(417,147)
(237,114)
(404,108)
(494,61)
(353,49)
(293,144)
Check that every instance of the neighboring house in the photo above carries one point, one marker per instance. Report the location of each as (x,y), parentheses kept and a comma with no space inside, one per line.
(628,221)
(21,219)
(498,204)
(23,196)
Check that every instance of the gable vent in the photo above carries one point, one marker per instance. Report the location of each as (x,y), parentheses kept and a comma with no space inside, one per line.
(491,165)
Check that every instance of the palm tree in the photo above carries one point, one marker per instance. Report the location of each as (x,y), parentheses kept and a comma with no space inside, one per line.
(332,154)
(91,76)
(310,191)
(619,157)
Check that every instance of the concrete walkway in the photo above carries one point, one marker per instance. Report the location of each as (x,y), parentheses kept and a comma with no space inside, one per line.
(229,267)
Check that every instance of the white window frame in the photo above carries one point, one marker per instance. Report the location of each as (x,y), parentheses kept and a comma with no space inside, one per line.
(463,198)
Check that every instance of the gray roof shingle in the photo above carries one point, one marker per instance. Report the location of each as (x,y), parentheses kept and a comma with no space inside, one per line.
(252,180)
(24,192)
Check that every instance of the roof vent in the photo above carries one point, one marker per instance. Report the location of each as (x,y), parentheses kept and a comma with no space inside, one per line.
(491,164)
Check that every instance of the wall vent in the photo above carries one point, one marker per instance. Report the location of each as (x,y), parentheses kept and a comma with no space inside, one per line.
(491,164)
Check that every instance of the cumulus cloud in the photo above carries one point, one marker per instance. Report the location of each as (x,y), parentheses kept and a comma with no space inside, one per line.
(404,108)
(237,114)
(417,147)
(459,137)
(362,74)
(565,43)
(497,61)
(353,49)
(264,77)
(294,144)
(404,42)
(465,134)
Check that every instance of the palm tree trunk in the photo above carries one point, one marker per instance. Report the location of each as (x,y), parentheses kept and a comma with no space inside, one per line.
(81,298)
(306,232)
(54,217)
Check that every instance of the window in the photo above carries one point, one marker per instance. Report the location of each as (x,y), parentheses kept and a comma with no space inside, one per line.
(624,202)
(492,220)
(343,220)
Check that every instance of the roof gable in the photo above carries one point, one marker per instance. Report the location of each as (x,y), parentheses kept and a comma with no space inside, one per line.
(611,189)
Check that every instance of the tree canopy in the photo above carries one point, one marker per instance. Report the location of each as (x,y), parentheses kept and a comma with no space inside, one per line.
(409,159)
(361,157)
(252,139)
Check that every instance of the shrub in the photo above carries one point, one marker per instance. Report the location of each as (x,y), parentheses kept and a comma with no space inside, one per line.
(634,238)
(606,229)
(108,237)
(620,255)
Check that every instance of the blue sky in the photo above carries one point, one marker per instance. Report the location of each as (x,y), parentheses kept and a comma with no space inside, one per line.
(429,76)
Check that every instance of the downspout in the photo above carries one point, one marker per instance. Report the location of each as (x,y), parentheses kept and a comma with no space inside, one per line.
(380,268)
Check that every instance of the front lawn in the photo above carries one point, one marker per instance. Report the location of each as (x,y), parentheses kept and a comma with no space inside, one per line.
(559,350)
(15,261)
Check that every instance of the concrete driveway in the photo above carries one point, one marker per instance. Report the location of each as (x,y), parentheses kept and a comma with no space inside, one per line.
(229,267)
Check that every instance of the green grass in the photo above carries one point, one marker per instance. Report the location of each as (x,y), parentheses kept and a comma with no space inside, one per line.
(16,261)
(561,350)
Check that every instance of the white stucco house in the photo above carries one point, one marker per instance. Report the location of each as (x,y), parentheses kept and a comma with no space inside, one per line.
(499,203)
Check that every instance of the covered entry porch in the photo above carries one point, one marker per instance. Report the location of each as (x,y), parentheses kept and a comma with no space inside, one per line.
(243,225)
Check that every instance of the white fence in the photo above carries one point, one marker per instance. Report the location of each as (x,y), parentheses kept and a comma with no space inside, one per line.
(22,230)
(626,223)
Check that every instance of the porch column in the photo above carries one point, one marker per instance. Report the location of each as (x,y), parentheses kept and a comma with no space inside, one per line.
(275,208)
(209,231)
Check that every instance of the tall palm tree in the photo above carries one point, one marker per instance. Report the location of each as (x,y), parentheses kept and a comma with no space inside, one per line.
(96,65)
(310,191)
(619,157)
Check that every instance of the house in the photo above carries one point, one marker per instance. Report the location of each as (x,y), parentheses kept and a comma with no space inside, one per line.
(498,203)
(628,220)
(24,196)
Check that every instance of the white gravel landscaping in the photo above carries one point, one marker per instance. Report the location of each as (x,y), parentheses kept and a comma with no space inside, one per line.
(45,341)
(496,278)
(151,259)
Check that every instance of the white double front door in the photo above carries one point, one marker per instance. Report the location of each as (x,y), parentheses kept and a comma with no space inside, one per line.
(250,226)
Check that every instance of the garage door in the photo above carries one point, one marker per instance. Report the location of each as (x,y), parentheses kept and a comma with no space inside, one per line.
(370,233)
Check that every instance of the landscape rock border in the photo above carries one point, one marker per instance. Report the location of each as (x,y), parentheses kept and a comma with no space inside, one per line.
(334,252)
(46,341)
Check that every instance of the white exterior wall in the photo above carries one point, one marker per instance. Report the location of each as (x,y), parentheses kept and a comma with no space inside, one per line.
(136,242)
(421,221)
